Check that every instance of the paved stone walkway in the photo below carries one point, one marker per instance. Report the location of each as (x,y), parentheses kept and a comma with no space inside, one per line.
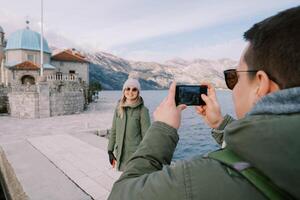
(61,158)
(86,165)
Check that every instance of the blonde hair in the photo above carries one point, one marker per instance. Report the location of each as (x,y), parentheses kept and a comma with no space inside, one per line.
(123,104)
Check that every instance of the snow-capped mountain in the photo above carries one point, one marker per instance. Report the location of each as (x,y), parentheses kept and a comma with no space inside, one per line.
(111,71)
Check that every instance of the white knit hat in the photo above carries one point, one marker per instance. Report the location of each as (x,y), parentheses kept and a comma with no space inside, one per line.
(132,83)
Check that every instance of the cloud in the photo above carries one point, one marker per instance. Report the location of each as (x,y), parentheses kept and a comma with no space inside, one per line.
(105,25)
(176,19)
(10,22)
(228,49)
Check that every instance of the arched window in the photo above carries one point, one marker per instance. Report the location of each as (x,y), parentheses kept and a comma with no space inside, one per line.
(27,79)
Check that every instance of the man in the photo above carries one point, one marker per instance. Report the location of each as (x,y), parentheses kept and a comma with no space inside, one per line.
(266,94)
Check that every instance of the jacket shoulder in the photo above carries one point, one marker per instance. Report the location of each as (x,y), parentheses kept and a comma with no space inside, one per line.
(144,108)
(210,179)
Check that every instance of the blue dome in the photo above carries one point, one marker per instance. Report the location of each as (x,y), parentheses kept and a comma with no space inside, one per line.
(26,39)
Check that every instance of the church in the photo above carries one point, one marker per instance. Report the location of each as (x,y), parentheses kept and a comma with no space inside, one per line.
(35,89)
(20,60)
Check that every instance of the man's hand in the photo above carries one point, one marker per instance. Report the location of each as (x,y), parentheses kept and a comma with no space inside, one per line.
(167,111)
(210,112)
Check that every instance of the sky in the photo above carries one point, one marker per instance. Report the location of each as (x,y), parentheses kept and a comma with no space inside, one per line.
(144,30)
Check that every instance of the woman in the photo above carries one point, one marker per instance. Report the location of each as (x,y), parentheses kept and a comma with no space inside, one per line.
(130,123)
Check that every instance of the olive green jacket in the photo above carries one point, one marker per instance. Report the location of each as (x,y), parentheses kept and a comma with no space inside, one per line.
(268,138)
(128,132)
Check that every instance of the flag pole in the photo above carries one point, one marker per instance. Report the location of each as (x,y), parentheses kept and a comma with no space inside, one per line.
(42,42)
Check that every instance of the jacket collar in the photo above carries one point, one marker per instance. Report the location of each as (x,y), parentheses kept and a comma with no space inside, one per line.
(268,138)
(285,101)
(136,104)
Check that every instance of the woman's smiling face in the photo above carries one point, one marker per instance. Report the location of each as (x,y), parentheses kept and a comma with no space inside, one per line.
(131,93)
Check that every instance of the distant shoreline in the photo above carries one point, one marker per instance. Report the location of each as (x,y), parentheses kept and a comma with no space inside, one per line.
(160,89)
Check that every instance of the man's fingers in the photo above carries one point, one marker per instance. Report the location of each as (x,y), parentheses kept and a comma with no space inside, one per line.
(212,93)
(172,91)
(181,107)
(211,90)
(206,99)
(200,110)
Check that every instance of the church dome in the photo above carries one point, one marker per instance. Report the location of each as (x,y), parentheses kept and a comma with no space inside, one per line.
(26,39)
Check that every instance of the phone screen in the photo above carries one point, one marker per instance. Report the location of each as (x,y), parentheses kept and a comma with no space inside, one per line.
(190,94)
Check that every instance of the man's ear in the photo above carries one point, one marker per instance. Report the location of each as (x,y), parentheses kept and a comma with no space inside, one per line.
(264,84)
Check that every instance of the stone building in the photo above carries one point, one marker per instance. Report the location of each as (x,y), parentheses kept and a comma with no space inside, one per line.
(71,62)
(61,89)
(22,59)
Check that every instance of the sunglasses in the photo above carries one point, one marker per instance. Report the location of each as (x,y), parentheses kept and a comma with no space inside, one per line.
(132,89)
(231,77)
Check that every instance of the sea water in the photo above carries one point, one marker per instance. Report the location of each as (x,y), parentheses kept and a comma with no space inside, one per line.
(194,135)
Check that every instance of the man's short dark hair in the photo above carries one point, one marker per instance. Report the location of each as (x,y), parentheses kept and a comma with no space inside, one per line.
(275,47)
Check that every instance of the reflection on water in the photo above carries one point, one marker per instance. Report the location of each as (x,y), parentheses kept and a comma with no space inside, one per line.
(194,134)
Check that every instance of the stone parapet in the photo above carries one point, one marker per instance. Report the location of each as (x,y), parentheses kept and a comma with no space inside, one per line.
(10,184)
(18,88)
(47,99)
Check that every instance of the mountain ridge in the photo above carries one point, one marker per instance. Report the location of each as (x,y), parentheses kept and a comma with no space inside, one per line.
(112,71)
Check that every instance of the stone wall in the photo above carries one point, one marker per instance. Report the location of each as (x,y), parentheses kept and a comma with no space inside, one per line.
(4,105)
(46,99)
(24,101)
(66,98)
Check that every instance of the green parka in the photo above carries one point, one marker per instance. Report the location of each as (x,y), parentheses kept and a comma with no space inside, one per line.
(127,132)
(268,138)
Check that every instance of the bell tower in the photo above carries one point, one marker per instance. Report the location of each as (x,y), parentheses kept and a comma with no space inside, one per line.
(2,44)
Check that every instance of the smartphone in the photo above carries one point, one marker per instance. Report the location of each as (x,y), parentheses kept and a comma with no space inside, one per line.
(190,95)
